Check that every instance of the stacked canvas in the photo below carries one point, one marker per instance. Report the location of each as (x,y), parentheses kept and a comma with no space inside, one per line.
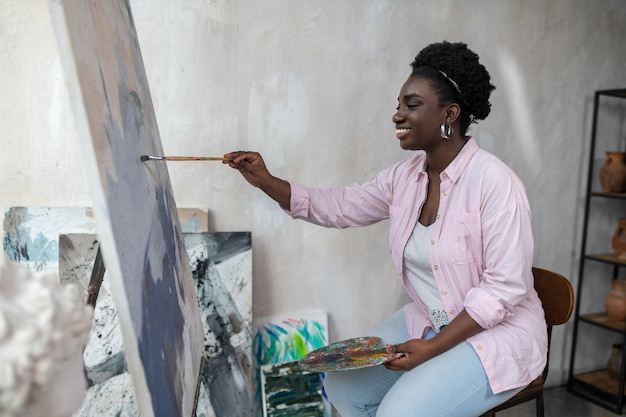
(282,389)
(45,239)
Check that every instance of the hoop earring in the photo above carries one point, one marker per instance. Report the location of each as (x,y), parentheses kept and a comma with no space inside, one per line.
(446,130)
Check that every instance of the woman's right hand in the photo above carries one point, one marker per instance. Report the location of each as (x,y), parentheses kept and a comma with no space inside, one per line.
(250,165)
(253,169)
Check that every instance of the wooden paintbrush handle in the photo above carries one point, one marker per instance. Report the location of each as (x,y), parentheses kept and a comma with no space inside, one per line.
(194,158)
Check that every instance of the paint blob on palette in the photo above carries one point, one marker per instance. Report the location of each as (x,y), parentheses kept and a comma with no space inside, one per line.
(350,354)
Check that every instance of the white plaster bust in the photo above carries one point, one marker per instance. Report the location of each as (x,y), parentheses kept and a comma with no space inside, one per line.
(43,330)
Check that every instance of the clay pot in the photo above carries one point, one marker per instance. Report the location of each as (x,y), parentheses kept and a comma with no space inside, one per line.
(615,300)
(618,241)
(613,173)
(614,365)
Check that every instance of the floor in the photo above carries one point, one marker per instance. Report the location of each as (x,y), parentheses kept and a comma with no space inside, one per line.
(559,403)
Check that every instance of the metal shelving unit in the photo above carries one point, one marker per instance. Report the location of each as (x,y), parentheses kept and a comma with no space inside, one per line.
(598,386)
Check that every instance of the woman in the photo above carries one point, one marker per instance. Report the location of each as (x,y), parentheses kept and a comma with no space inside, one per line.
(461,241)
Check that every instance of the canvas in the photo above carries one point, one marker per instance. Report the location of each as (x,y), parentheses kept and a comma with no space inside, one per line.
(77,254)
(222,268)
(62,239)
(285,339)
(137,224)
(289,392)
(193,220)
(31,234)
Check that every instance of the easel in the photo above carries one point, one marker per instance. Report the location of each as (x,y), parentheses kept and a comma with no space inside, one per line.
(95,282)
(93,289)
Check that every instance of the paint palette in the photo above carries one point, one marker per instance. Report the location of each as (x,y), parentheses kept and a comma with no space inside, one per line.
(350,354)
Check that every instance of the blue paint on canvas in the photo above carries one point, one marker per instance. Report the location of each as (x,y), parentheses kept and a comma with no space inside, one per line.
(138,227)
(31,234)
(191,226)
(289,392)
(287,339)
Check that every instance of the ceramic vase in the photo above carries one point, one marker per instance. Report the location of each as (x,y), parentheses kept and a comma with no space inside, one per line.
(613,173)
(614,365)
(618,241)
(615,300)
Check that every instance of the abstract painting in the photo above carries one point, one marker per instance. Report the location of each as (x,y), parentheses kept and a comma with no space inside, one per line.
(138,227)
(193,220)
(62,239)
(31,234)
(290,392)
(279,340)
(77,253)
(221,264)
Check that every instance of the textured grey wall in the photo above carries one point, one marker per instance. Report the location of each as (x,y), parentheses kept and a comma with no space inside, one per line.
(312,85)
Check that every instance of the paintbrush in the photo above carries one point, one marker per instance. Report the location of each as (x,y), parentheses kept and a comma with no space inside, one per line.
(145,158)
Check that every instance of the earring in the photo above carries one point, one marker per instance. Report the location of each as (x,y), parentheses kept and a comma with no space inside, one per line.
(446,130)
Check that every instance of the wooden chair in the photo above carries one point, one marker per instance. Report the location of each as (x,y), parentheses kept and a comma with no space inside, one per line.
(557,297)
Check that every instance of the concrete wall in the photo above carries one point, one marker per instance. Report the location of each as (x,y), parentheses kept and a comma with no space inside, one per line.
(312,85)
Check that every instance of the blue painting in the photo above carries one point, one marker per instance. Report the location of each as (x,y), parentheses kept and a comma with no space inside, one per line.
(290,392)
(283,340)
(138,227)
(193,220)
(31,234)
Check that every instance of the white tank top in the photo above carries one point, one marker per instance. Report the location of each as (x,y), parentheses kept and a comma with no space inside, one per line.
(420,274)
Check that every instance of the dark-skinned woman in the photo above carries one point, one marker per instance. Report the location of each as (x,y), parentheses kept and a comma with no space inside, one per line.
(461,241)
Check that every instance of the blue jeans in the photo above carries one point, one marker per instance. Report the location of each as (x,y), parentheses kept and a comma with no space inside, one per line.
(451,384)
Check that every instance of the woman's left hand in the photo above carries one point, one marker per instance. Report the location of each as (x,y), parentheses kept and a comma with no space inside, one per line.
(411,353)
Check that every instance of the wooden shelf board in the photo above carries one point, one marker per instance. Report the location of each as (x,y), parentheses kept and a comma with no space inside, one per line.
(606,257)
(600,379)
(604,320)
(608,195)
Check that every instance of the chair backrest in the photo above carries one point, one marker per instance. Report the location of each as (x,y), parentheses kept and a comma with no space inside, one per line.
(556,294)
(557,297)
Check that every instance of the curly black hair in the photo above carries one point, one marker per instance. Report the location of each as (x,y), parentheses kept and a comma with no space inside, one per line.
(459,66)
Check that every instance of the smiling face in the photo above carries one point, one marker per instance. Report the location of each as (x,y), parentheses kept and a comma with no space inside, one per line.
(419,116)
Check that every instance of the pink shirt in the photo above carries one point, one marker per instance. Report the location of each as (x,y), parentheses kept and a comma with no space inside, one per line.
(481,251)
